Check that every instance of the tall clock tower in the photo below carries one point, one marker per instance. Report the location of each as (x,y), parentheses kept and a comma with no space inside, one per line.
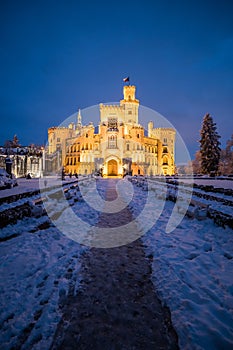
(130,104)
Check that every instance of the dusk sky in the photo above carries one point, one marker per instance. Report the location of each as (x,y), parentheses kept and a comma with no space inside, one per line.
(58,56)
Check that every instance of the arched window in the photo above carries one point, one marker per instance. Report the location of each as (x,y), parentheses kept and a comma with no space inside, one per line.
(165,160)
(112,141)
(127,146)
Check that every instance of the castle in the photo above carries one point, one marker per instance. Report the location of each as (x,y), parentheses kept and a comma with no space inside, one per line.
(120,146)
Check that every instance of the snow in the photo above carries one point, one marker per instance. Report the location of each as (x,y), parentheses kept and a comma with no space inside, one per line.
(38,270)
(218,183)
(191,271)
(29,185)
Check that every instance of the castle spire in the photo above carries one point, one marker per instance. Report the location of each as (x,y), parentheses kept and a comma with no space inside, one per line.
(79,119)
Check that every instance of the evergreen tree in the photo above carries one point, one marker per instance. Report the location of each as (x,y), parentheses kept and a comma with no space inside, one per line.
(226,160)
(209,146)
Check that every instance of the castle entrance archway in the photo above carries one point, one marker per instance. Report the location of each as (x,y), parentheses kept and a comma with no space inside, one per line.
(112,167)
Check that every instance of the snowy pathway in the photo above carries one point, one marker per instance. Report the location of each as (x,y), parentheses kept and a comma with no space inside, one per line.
(116,307)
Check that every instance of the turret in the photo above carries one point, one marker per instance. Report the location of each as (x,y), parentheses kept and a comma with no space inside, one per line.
(130,104)
(150,128)
(79,120)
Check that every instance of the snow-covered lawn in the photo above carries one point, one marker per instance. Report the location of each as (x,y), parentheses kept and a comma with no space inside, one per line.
(29,185)
(38,270)
(227,184)
(192,271)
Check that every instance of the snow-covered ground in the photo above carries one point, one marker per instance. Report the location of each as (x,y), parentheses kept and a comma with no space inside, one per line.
(192,272)
(219,183)
(29,185)
(38,270)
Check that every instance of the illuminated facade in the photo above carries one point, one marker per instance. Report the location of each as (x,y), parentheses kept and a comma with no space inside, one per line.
(119,147)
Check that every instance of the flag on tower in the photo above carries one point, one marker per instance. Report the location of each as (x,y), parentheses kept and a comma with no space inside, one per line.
(126,79)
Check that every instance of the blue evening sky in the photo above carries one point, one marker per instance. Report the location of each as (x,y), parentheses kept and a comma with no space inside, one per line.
(58,56)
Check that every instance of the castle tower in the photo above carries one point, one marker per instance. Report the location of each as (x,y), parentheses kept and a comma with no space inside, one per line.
(130,104)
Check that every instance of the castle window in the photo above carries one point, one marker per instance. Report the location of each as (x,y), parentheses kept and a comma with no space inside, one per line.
(165,161)
(112,142)
(112,123)
(127,147)
(58,139)
(86,135)
(138,135)
(129,112)
(165,140)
